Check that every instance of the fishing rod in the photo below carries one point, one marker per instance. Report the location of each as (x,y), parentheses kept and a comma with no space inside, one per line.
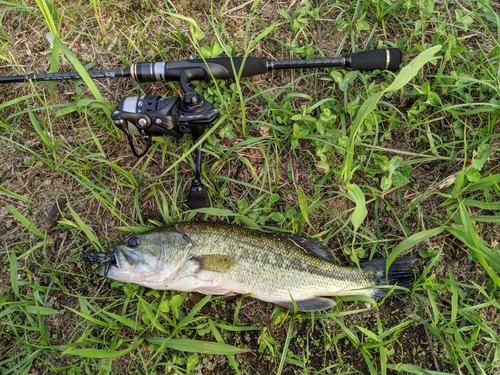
(150,115)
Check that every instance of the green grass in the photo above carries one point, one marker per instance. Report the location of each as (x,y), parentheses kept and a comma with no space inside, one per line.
(375,164)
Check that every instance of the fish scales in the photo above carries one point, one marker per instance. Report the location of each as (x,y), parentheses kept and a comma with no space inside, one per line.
(216,258)
(264,259)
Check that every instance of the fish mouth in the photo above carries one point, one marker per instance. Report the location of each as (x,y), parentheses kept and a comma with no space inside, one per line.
(125,259)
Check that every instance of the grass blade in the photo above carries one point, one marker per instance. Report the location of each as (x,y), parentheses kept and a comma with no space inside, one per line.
(415,370)
(82,226)
(101,353)
(41,310)
(481,250)
(404,76)
(412,241)
(28,224)
(358,197)
(80,69)
(44,8)
(196,346)
(304,207)
(410,70)
(13,273)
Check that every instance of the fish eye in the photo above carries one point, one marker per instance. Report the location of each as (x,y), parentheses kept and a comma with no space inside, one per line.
(133,242)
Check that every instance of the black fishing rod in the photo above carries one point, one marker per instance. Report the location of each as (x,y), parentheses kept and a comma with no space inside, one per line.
(148,115)
(222,68)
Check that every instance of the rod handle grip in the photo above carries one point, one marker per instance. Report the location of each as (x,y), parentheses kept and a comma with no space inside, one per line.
(252,66)
(383,59)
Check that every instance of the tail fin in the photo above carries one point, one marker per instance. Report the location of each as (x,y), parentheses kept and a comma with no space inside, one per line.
(402,272)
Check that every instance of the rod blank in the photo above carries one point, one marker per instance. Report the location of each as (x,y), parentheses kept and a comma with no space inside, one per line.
(69,76)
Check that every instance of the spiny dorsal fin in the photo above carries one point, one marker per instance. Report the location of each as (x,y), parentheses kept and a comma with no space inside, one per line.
(312,246)
(215,263)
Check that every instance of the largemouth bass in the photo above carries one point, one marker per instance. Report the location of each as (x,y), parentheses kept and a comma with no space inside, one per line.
(222,259)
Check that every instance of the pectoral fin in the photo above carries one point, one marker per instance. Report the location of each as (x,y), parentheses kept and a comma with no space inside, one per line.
(311,304)
(215,263)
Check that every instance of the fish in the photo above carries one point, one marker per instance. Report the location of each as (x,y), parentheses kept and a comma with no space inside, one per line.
(224,259)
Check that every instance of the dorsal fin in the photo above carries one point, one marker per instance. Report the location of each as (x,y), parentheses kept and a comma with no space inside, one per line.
(312,246)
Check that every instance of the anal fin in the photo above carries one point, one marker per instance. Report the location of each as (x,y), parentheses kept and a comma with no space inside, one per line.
(215,290)
(311,304)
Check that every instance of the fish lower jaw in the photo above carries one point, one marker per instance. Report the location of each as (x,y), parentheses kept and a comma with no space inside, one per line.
(152,282)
